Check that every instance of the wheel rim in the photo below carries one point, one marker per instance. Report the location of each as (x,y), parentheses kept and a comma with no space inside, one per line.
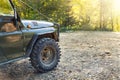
(47,55)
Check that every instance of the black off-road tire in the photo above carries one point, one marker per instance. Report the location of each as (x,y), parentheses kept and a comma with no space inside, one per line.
(45,48)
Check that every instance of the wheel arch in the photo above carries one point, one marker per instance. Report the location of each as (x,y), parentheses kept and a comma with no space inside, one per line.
(36,37)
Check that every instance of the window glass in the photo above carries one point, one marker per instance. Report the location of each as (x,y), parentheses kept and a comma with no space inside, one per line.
(5,8)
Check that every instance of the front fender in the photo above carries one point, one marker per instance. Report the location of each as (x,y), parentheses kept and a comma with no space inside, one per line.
(34,39)
(31,45)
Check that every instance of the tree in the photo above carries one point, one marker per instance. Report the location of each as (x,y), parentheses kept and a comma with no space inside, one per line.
(73,14)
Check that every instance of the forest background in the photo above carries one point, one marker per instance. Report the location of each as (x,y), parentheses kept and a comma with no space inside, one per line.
(75,14)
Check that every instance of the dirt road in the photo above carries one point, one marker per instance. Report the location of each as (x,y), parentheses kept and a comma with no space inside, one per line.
(85,56)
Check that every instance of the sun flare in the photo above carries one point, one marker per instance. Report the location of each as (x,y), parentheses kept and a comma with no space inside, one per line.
(116,6)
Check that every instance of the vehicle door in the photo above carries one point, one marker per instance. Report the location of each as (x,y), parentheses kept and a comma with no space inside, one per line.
(11,42)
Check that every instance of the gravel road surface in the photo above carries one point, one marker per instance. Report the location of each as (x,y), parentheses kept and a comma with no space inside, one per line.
(86,55)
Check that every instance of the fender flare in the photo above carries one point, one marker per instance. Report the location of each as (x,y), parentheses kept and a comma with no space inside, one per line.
(32,43)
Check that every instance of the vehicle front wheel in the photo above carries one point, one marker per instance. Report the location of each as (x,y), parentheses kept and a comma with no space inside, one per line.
(45,55)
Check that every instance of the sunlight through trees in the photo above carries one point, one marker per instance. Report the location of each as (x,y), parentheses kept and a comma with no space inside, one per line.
(74,14)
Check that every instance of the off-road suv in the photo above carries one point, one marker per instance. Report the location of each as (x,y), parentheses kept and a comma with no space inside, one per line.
(27,38)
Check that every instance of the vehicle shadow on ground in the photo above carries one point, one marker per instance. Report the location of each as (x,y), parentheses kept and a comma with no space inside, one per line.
(21,70)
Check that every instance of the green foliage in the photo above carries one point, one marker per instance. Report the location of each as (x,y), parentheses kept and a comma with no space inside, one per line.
(54,9)
(5,8)
(72,14)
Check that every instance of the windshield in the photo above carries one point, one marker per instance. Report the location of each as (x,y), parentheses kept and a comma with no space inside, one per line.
(5,8)
(26,10)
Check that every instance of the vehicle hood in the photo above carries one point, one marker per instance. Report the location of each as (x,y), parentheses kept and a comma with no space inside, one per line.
(37,24)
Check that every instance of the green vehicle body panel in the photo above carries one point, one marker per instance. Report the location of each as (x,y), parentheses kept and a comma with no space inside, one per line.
(11,41)
(15,44)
